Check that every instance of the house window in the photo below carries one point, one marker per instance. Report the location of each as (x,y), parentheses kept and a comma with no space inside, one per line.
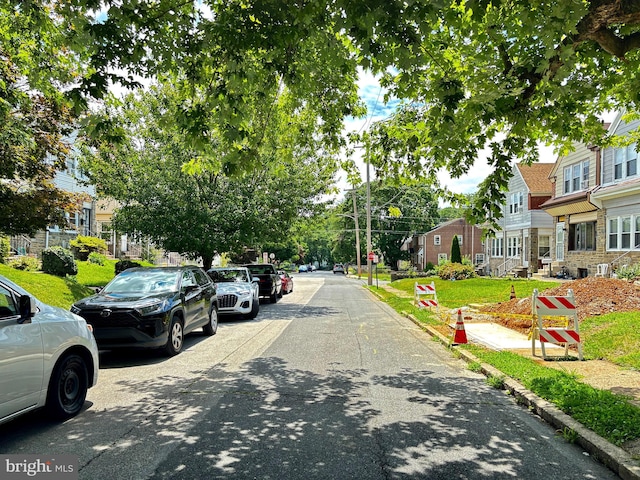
(459,239)
(442,257)
(582,236)
(513,247)
(497,247)
(436,239)
(623,233)
(515,202)
(625,162)
(613,234)
(576,177)
(544,246)
(479,258)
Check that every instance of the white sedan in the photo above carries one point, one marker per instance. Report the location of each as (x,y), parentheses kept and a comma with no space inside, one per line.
(237,290)
(48,356)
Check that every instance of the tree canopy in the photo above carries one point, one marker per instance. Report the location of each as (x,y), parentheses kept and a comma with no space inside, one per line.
(205,211)
(471,75)
(36,119)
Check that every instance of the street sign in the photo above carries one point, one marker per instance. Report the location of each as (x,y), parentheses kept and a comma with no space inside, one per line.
(370,256)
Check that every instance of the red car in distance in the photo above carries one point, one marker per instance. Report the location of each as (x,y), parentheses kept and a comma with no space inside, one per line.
(287,282)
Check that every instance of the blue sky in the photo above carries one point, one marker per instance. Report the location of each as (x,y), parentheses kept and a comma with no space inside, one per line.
(373,96)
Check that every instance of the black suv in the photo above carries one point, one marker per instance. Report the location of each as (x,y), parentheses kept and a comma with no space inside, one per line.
(151,307)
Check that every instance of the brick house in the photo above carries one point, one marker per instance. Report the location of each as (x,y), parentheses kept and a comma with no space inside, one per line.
(524,240)
(435,246)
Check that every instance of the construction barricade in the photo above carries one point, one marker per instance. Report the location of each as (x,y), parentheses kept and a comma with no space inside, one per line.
(425,295)
(555,307)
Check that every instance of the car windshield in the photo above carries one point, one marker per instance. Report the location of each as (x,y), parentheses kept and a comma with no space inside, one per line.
(144,281)
(229,276)
(259,270)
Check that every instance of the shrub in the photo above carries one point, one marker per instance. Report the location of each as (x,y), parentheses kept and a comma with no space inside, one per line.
(150,254)
(58,261)
(122,265)
(455,271)
(629,272)
(28,264)
(455,250)
(82,246)
(5,249)
(97,258)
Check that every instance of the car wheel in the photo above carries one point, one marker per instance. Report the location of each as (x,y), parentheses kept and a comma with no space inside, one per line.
(68,387)
(280,293)
(176,337)
(255,308)
(212,327)
(273,298)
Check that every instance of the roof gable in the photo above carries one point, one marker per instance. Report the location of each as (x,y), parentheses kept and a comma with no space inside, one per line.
(536,177)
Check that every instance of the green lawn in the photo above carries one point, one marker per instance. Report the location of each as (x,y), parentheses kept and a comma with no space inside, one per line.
(62,292)
(454,294)
(614,337)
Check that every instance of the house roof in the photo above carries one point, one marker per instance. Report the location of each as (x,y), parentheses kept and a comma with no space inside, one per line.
(459,221)
(536,176)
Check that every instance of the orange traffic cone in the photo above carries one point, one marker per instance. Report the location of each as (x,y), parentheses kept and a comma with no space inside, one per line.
(513,293)
(460,335)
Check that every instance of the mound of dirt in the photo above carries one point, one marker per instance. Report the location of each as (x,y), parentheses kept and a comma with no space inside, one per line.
(594,296)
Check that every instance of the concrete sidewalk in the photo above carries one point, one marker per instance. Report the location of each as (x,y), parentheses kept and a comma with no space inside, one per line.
(498,337)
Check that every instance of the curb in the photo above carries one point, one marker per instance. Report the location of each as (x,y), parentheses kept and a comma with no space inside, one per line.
(614,458)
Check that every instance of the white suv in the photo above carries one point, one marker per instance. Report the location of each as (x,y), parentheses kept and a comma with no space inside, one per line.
(48,356)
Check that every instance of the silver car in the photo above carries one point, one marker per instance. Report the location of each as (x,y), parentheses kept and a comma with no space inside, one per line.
(48,356)
(238,292)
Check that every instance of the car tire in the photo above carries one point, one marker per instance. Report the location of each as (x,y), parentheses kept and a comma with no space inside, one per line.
(175,338)
(212,326)
(280,293)
(255,308)
(68,387)
(273,298)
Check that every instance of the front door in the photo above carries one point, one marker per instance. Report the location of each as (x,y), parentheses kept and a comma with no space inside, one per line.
(525,249)
(560,242)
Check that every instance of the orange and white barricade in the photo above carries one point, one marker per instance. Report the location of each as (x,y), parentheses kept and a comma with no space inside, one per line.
(555,307)
(425,295)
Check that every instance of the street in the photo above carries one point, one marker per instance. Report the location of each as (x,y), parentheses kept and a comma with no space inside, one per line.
(328,383)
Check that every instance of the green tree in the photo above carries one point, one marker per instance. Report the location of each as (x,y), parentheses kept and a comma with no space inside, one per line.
(397,212)
(206,211)
(478,75)
(36,118)
(456,257)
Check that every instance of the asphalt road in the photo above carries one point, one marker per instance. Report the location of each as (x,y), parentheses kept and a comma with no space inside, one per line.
(328,383)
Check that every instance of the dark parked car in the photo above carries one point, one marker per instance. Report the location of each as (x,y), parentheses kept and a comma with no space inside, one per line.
(151,307)
(268,280)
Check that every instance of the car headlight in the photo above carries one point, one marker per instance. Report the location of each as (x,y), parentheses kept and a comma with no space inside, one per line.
(244,293)
(152,308)
(75,310)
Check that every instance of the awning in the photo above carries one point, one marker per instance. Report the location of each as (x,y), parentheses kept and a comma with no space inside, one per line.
(569,204)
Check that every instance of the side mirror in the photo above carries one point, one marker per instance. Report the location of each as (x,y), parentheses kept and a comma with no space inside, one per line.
(27,307)
(190,288)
